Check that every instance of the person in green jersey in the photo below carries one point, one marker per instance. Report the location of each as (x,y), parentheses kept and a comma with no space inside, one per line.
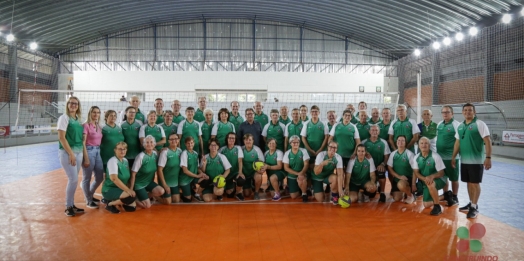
(473,142)
(222,127)
(293,128)
(328,165)
(296,164)
(168,126)
(284,119)
(384,125)
(428,128)
(199,114)
(274,129)
(351,108)
(115,190)
(446,130)
(331,119)
(190,128)
(92,164)
(363,125)
(273,166)
(251,153)
(71,147)
(213,165)
(168,171)
(206,127)
(236,179)
(130,130)
(429,168)
(379,150)
(111,135)
(154,130)
(360,175)
(143,174)
(362,106)
(234,115)
(403,126)
(375,116)
(159,108)
(140,117)
(303,113)
(347,136)
(260,117)
(314,134)
(177,116)
(399,167)
(191,172)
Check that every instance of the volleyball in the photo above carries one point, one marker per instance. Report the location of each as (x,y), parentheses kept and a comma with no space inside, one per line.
(344,201)
(257,165)
(219,181)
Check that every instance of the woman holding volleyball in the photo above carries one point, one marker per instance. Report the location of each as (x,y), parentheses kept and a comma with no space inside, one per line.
(213,165)
(251,153)
(273,165)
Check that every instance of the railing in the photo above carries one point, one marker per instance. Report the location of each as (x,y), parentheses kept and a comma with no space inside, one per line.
(51,109)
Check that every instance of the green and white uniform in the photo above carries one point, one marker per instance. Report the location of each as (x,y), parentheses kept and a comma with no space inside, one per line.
(233,155)
(305,120)
(401,163)
(236,120)
(178,119)
(384,129)
(357,118)
(220,130)
(215,167)
(360,173)
(471,137)
(169,160)
(378,150)
(139,116)
(156,131)
(370,121)
(296,163)
(272,160)
(315,134)
(318,180)
(110,190)
(247,164)
(407,127)
(110,137)
(186,129)
(285,122)
(445,145)
(345,136)
(206,135)
(168,130)
(145,167)
(262,119)
(130,132)
(191,162)
(73,133)
(159,118)
(294,129)
(363,130)
(429,132)
(429,165)
(199,116)
(275,131)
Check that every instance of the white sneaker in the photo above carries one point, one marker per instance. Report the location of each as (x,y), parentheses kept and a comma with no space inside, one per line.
(409,199)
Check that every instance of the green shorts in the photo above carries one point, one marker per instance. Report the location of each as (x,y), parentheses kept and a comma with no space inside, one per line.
(318,185)
(280,176)
(357,187)
(250,183)
(209,189)
(174,191)
(450,172)
(141,193)
(112,194)
(345,162)
(394,187)
(186,190)
(230,181)
(439,184)
(292,184)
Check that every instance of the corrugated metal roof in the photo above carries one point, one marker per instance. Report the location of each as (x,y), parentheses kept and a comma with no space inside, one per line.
(395,26)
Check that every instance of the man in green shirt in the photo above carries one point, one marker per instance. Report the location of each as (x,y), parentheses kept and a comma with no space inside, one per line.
(190,127)
(274,129)
(403,126)
(375,116)
(314,134)
(429,168)
(296,164)
(199,113)
(293,128)
(363,125)
(159,108)
(473,142)
(331,119)
(177,116)
(360,175)
(347,137)
(234,115)
(303,113)
(135,102)
(284,119)
(362,106)
(446,130)
(428,128)
(260,117)
(379,150)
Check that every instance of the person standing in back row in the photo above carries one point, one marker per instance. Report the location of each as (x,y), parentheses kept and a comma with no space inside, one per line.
(428,128)
(250,126)
(140,117)
(234,116)
(159,108)
(403,126)
(446,130)
(260,117)
(199,113)
(177,116)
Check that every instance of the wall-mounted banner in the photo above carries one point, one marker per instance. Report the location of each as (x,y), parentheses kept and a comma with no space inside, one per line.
(513,137)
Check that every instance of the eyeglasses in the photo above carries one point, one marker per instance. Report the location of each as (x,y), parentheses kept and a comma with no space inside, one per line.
(231,138)
(295,142)
(332,147)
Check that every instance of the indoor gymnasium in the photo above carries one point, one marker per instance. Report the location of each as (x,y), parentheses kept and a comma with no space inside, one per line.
(261,130)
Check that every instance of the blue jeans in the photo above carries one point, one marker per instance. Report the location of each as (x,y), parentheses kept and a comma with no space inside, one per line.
(96,166)
(72,174)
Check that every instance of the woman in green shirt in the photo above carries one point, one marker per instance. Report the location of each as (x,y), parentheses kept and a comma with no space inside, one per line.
(111,135)
(130,129)
(222,127)
(273,167)
(192,174)
(213,164)
(169,170)
(253,178)
(154,130)
(206,127)
(168,125)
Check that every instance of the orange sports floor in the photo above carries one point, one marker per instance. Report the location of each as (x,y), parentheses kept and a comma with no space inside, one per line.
(34,227)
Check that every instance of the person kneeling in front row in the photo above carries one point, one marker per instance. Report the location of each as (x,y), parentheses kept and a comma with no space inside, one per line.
(115,190)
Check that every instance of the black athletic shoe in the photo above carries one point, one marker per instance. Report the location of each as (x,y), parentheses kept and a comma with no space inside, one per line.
(382,197)
(105,201)
(230,195)
(308,192)
(455,199)
(437,210)
(466,207)
(198,198)
(91,205)
(304,198)
(78,210)
(240,196)
(185,200)
(70,212)
(96,200)
(472,213)
(449,198)
(220,197)
(129,208)
(112,209)
(446,196)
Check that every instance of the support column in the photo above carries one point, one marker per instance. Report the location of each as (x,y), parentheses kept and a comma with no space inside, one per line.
(435,77)
(254,44)
(13,72)
(489,65)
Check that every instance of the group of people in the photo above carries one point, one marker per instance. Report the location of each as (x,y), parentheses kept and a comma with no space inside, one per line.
(168,157)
